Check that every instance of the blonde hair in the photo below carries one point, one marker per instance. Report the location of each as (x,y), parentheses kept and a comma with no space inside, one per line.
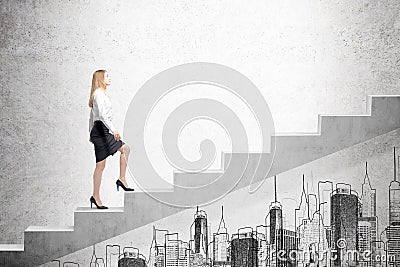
(97,82)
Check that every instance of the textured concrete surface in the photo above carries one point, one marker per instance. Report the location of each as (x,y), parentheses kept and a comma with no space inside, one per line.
(306,57)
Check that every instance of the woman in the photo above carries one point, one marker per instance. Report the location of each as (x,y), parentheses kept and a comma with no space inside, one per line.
(104,135)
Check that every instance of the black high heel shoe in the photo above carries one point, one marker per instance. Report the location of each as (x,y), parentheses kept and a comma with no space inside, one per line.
(92,200)
(120,184)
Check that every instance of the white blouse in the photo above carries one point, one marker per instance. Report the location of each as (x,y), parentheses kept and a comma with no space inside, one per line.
(102,110)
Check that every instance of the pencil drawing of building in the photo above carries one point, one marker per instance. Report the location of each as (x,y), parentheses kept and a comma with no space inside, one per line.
(393,230)
(344,224)
(221,256)
(367,221)
(244,249)
(200,236)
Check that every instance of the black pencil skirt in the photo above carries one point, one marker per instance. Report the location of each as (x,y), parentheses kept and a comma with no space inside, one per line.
(104,142)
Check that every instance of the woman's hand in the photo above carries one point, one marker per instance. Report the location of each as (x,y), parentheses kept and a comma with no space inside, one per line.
(116,135)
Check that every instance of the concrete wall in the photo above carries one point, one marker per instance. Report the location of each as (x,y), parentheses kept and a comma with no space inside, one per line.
(307,57)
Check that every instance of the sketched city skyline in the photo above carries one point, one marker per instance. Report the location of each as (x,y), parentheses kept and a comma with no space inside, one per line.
(352,227)
(322,215)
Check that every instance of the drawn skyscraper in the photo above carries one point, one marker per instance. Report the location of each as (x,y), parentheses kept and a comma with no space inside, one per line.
(200,233)
(365,229)
(344,224)
(280,240)
(152,262)
(221,244)
(176,251)
(131,257)
(112,254)
(368,197)
(289,244)
(367,222)
(244,249)
(275,221)
(263,248)
(312,239)
(157,257)
(394,199)
(393,230)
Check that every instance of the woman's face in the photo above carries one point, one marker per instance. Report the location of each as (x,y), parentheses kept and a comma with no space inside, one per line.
(107,78)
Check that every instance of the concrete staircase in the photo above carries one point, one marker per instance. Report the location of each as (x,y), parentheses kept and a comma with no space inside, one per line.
(45,243)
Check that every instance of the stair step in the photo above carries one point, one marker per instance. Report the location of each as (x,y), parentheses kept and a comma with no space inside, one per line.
(44,235)
(11,247)
(196,179)
(90,210)
(49,229)
(136,202)
(48,240)
(87,219)
(99,224)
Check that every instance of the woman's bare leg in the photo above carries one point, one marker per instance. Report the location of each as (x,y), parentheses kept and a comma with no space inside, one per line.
(98,172)
(123,161)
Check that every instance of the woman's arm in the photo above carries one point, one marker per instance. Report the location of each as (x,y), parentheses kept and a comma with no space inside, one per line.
(99,100)
(90,120)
